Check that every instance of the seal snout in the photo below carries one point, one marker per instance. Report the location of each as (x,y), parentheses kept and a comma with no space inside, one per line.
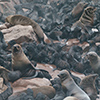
(16,48)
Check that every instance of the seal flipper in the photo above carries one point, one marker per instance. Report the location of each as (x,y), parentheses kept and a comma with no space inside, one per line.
(45,73)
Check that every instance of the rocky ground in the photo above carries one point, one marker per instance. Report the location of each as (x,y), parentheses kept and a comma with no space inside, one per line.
(67,49)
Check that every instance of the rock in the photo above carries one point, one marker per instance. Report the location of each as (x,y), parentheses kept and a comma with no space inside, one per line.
(7,7)
(71,42)
(18,34)
(23,84)
(5,90)
(3,87)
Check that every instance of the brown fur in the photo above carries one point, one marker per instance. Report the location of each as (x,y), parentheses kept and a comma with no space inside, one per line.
(88,85)
(71,86)
(22,20)
(86,19)
(19,59)
(21,62)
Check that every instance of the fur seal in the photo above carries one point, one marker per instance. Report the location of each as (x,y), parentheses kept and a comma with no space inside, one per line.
(23,20)
(86,19)
(94,61)
(72,87)
(88,85)
(21,63)
(71,98)
(78,8)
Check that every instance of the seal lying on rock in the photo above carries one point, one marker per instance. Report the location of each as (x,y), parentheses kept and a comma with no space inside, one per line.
(72,87)
(21,63)
(22,20)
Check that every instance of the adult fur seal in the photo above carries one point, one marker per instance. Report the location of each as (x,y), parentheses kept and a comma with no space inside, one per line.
(22,20)
(86,19)
(72,87)
(71,98)
(94,61)
(21,62)
(88,85)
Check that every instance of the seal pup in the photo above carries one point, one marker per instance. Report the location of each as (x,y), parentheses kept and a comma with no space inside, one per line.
(21,63)
(70,98)
(23,20)
(72,87)
(88,85)
(86,19)
(94,61)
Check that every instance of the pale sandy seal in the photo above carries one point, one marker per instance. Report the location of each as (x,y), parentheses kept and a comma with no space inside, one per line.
(88,85)
(72,87)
